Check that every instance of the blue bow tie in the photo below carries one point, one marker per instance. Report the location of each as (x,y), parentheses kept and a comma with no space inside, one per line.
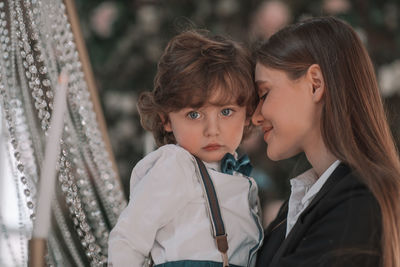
(230,164)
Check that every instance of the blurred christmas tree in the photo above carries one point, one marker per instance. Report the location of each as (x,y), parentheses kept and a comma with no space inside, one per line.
(126,38)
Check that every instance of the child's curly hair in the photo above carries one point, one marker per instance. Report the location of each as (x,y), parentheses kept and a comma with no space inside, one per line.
(193,67)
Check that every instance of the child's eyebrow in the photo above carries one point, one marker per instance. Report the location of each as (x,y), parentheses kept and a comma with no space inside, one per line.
(227,104)
(216,104)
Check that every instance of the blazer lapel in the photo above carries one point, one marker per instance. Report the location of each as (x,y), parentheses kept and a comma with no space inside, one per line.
(341,171)
(274,235)
(280,218)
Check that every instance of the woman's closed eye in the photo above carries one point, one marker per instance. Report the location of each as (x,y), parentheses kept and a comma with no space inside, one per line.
(193,115)
(264,96)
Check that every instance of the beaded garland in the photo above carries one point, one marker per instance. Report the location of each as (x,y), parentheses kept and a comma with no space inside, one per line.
(36,42)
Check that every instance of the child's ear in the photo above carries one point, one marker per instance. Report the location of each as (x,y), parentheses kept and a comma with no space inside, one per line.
(314,75)
(166,122)
(167,127)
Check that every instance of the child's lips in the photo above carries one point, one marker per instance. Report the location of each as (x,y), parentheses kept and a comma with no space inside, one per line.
(212,147)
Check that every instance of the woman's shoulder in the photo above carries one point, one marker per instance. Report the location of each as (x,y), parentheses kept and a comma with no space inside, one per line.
(349,192)
(344,195)
(352,185)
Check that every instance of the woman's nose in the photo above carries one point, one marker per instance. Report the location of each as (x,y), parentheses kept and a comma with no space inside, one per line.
(257,118)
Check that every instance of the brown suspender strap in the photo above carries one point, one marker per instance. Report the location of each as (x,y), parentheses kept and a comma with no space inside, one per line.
(215,212)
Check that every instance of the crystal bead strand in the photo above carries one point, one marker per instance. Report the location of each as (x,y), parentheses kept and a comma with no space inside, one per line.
(22,227)
(34,15)
(15,121)
(4,235)
(101,233)
(15,89)
(21,230)
(40,18)
(30,68)
(89,200)
(97,156)
(79,95)
(20,12)
(29,187)
(22,154)
(24,224)
(73,201)
(42,43)
(65,233)
(26,154)
(90,204)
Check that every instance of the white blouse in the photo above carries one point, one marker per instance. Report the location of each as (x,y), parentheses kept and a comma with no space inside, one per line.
(304,188)
(167,215)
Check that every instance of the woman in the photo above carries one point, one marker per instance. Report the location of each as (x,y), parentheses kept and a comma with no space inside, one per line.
(319,95)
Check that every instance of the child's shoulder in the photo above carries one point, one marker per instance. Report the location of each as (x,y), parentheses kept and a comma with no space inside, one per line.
(163,170)
(170,153)
(175,149)
(168,157)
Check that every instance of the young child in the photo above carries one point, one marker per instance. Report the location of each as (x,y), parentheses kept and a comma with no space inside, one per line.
(200,107)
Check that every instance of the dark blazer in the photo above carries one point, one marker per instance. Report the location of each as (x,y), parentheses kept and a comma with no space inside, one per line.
(341,227)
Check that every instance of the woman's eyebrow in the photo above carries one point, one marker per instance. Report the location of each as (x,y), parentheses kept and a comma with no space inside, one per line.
(261,82)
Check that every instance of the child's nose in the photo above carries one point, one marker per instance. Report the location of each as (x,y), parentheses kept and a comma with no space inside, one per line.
(257,118)
(212,127)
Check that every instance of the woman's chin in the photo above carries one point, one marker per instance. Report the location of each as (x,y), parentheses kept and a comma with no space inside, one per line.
(275,155)
(272,155)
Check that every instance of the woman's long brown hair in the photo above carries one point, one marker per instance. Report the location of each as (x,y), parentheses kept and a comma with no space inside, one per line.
(354,125)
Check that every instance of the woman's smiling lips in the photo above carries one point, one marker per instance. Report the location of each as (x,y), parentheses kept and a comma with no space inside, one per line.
(212,147)
(266,131)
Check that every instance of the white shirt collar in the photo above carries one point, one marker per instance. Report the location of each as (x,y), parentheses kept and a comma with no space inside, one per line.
(304,188)
(216,165)
(320,182)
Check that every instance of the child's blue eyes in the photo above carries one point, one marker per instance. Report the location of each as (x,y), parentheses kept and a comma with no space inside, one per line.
(193,115)
(226,112)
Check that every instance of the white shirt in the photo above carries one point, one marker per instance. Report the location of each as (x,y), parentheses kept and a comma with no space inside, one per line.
(167,215)
(304,188)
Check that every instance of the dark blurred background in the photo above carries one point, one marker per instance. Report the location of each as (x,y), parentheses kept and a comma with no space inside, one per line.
(126,38)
